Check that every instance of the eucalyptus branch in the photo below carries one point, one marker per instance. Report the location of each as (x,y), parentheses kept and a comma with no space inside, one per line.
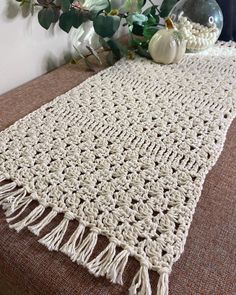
(106,21)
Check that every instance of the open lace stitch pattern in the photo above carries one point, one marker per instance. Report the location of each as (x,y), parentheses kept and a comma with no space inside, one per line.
(126,154)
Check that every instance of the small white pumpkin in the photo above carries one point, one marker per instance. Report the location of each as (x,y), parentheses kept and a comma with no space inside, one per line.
(167,45)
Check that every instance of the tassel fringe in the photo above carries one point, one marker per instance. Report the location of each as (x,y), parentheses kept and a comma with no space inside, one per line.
(9,197)
(33,216)
(14,201)
(53,239)
(117,267)
(19,213)
(100,265)
(2,178)
(7,187)
(163,284)
(141,283)
(108,263)
(85,250)
(36,229)
(69,248)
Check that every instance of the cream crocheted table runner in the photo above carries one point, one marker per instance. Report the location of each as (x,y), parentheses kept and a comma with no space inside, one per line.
(125,154)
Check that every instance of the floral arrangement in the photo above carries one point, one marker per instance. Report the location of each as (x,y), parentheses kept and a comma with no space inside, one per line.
(107,18)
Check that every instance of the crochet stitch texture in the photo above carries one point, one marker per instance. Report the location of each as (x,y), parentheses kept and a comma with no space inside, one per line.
(126,154)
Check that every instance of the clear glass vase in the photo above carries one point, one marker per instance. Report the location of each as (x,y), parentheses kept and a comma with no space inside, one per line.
(199,21)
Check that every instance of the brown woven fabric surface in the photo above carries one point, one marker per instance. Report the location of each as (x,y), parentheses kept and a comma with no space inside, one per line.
(207,266)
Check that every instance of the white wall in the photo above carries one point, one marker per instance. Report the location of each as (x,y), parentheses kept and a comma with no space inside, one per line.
(26,49)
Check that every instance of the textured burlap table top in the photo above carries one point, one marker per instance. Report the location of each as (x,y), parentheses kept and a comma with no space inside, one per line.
(208,265)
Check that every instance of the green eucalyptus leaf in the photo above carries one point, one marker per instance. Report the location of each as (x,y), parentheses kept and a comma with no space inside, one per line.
(149,31)
(72,18)
(65,5)
(80,17)
(153,16)
(106,25)
(152,20)
(66,21)
(46,17)
(166,7)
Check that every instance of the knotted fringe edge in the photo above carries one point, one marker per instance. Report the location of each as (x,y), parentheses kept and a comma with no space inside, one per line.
(108,263)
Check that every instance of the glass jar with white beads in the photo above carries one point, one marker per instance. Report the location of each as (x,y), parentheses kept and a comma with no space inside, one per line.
(199,21)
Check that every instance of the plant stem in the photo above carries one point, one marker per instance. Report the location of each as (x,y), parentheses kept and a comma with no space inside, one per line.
(169,23)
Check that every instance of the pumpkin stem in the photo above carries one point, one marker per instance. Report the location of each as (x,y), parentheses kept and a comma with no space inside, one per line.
(169,23)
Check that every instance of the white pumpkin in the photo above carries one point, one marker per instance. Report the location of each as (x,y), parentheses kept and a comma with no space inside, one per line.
(167,45)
